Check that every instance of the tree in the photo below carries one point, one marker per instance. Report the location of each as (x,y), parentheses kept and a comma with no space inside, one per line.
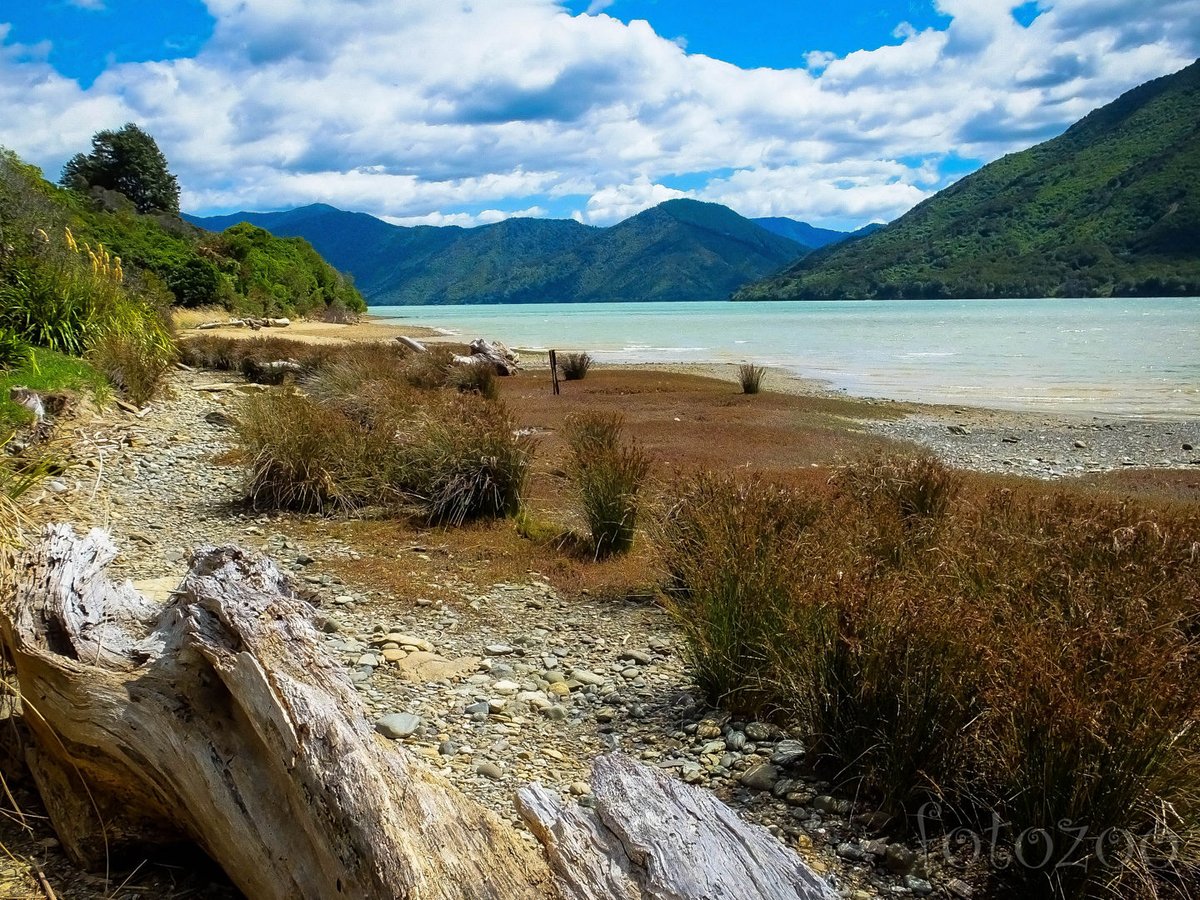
(127,161)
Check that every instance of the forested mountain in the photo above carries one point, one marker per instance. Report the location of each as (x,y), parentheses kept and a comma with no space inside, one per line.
(1110,207)
(679,250)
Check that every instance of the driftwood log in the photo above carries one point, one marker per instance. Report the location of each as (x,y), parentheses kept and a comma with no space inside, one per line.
(219,719)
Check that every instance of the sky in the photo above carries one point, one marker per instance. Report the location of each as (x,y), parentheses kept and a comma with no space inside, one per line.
(466,112)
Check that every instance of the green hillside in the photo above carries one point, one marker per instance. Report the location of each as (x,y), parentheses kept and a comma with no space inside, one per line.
(246,269)
(680,250)
(1111,207)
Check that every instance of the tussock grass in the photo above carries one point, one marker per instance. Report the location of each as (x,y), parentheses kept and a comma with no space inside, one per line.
(574,366)
(364,435)
(1027,652)
(751,377)
(609,475)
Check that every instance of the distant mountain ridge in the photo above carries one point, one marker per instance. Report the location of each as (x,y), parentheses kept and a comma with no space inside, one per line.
(678,250)
(1110,207)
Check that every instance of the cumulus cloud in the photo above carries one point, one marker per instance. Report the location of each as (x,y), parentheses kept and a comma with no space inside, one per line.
(428,111)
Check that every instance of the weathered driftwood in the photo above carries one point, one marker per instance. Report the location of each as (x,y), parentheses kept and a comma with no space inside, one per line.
(491,353)
(220,719)
(249,322)
(650,836)
(412,344)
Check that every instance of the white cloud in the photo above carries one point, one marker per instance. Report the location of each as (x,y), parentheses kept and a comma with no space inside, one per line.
(420,110)
(95,5)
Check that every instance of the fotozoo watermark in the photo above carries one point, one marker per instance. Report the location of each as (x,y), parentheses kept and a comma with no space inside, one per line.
(1068,845)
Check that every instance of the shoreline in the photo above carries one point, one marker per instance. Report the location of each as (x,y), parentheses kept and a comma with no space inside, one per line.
(1043,442)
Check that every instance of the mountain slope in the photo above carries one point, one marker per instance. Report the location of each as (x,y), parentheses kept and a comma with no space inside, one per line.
(1110,207)
(801,232)
(680,250)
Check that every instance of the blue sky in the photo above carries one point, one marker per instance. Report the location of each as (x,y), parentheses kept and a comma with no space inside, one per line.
(837,113)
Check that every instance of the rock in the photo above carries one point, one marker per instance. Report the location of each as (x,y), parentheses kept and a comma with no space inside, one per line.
(958,429)
(1186,446)
(918,886)
(579,788)
(899,859)
(1080,445)
(421,666)
(478,709)
(506,687)
(398,725)
(852,852)
(960,888)
(637,656)
(760,731)
(489,770)
(583,676)
(735,740)
(760,778)
(498,649)
(407,640)
(788,753)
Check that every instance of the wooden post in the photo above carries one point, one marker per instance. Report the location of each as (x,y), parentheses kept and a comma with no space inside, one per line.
(554,369)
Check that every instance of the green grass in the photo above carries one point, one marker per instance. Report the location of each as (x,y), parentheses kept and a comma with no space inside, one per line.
(48,371)
(609,474)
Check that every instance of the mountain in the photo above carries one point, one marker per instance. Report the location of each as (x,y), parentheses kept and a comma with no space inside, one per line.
(1110,207)
(801,232)
(679,250)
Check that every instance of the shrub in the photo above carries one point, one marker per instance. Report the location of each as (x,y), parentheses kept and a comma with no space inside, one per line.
(751,377)
(453,458)
(13,350)
(575,366)
(477,378)
(731,551)
(1028,654)
(305,456)
(461,459)
(608,477)
(431,369)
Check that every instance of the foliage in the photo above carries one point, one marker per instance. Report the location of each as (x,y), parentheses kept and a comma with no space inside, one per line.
(1111,207)
(476,378)
(1029,652)
(575,366)
(73,298)
(364,435)
(162,255)
(127,161)
(13,350)
(46,371)
(679,250)
(609,476)
(751,377)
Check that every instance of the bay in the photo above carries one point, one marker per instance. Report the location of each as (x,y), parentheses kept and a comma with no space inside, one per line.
(1115,357)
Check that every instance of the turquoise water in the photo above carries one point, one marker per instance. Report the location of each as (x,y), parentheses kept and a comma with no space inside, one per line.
(1129,357)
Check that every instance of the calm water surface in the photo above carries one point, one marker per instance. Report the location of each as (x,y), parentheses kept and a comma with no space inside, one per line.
(1115,357)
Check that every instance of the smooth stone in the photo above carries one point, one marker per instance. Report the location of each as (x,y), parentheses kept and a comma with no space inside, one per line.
(788,753)
(583,676)
(498,649)
(398,725)
(489,770)
(761,777)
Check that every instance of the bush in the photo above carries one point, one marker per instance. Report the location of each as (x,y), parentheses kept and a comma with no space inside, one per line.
(431,369)
(451,458)
(1027,653)
(477,378)
(460,460)
(731,552)
(13,351)
(751,377)
(575,366)
(305,456)
(608,477)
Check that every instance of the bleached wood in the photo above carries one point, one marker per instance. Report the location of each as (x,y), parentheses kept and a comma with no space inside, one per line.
(653,837)
(220,719)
